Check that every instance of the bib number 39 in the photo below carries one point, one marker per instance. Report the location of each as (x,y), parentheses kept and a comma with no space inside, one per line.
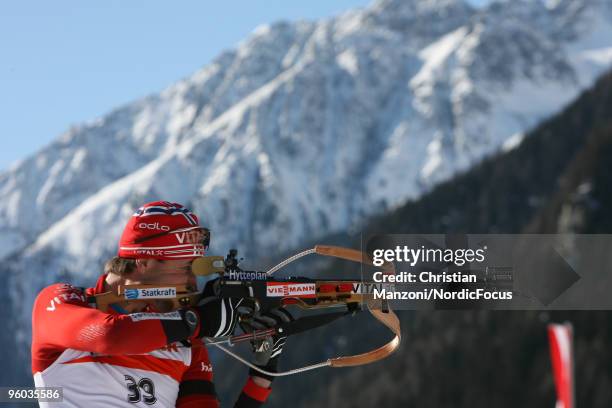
(143,390)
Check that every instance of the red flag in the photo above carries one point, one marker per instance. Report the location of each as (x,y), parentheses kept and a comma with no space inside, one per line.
(561,354)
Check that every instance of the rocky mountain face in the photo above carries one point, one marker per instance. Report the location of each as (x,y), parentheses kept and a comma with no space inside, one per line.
(304,129)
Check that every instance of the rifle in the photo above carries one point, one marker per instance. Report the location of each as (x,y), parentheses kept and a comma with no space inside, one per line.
(266,293)
(263,292)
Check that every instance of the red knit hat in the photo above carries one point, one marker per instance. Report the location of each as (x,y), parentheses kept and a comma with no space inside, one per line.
(163,230)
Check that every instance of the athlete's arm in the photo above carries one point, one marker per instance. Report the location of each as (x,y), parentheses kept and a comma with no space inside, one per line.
(252,395)
(196,389)
(62,318)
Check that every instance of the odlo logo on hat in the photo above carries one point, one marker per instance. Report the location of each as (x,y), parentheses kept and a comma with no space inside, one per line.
(163,230)
(154,227)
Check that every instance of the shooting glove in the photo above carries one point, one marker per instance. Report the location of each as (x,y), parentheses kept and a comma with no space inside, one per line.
(267,351)
(215,316)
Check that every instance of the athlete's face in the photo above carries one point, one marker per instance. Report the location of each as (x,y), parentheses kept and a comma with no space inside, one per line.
(174,272)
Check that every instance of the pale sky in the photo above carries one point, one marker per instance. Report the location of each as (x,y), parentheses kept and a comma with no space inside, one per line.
(63,62)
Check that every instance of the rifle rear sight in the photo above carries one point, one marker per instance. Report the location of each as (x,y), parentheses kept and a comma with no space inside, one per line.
(231,261)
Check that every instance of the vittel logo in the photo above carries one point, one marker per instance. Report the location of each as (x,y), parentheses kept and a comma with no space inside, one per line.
(190,237)
(154,226)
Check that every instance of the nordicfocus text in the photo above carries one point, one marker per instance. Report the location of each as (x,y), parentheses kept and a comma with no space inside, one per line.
(388,289)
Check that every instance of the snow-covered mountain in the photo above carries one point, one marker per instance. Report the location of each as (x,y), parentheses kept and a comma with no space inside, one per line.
(304,129)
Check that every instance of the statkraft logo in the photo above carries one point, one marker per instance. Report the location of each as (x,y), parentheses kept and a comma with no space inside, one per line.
(150,293)
(283,289)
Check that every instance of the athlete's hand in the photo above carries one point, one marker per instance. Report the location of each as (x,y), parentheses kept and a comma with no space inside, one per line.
(216,317)
(266,351)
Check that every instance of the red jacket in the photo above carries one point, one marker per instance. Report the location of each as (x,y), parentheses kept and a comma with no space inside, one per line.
(111,359)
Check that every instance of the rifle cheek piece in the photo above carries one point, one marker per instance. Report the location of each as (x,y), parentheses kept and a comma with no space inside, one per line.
(131,294)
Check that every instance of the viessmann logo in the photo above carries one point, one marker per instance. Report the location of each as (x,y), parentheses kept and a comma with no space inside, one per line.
(153,293)
(280,289)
